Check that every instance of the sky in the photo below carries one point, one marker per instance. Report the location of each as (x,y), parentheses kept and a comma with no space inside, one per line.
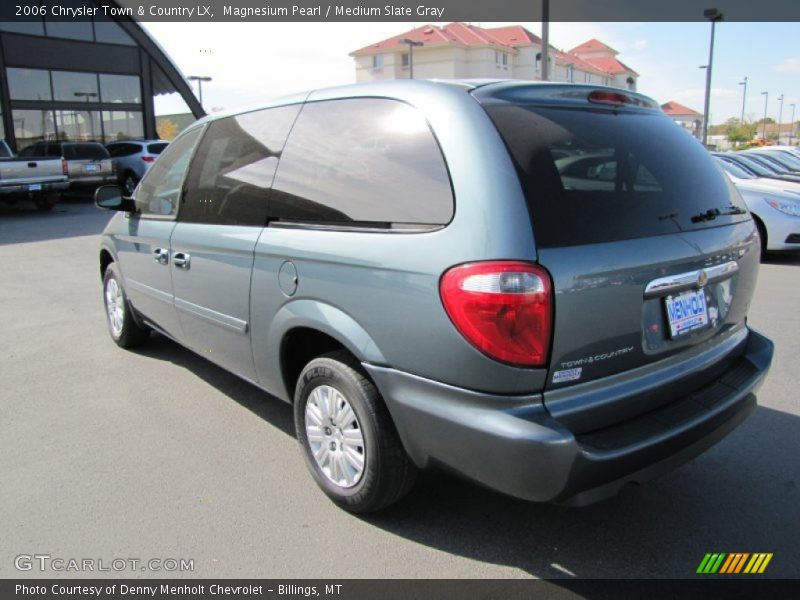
(253,62)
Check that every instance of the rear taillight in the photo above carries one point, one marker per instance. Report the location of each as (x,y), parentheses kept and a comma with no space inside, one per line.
(503,308)
(64,168)
(148,159)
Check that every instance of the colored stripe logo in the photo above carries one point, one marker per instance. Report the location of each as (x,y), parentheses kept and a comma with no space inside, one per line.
(734,563)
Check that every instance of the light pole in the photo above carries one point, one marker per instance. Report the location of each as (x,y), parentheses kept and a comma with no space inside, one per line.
(744,97)
(199,79)
(713,15)
(791,127)
(545,39)
(780,116)
(766,99)
(411,45)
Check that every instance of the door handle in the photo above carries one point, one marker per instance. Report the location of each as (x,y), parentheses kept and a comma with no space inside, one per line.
(181,260)
(161,256)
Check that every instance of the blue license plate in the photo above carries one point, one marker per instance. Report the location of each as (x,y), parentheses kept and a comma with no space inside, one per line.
(686,312)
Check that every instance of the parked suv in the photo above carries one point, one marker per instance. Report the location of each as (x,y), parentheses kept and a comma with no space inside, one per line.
(132,158)
(411,266)
(88,163)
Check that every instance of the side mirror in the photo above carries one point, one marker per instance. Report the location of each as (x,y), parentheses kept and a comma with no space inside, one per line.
(110,197)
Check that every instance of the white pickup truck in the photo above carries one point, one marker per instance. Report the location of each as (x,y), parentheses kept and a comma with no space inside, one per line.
(39,179)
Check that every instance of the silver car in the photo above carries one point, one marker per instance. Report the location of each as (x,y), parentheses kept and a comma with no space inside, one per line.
(404,263)
(132,159)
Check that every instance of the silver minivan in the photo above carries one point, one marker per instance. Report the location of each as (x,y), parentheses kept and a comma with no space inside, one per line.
(540,287)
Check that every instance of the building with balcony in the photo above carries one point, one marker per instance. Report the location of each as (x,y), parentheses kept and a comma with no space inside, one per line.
(459,50)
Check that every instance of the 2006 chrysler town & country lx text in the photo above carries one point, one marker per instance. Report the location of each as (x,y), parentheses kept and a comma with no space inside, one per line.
(541,287)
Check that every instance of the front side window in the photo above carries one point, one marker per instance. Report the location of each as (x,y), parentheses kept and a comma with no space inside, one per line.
(233,169)
(160,190)
(362,161)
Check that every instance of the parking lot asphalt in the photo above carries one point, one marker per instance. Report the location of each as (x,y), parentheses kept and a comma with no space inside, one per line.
(159,454)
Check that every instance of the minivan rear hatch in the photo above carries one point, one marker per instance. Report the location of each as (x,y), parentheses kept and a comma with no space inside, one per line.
(650,247)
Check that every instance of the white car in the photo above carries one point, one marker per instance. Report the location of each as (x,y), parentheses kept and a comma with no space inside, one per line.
(775,207)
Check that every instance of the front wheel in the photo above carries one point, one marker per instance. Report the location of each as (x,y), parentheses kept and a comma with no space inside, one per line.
(348,439)
(124,330)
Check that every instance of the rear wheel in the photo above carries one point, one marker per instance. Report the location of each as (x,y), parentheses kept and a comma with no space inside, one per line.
(124,330)
(348,439)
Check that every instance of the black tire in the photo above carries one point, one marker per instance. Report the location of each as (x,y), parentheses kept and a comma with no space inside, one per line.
(45,203)
(129,334)
(388,473)
(128,183)
(762,236)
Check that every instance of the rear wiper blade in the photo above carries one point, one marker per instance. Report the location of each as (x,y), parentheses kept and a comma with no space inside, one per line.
(713,213)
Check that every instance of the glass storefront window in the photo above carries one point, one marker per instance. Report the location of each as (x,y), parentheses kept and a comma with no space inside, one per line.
(78,125)
(69,86)
(122,125)
(29,27)
(120,88)
(72,30)
(29,84)
(109,32)
(32,126)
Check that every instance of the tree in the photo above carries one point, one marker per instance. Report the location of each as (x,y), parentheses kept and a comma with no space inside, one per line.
(167,129)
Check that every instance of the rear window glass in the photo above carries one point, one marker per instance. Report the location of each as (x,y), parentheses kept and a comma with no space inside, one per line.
(85,151)
(156,148)
(734,169)
(601,175)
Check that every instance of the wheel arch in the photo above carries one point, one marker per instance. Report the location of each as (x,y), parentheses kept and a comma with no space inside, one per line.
(304,329)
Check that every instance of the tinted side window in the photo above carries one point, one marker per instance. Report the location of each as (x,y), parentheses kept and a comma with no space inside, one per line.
(86,151)
(159,191)
(116,150)
(234,166)
(362,160)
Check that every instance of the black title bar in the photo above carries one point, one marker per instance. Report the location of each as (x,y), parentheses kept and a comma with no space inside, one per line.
(398,10)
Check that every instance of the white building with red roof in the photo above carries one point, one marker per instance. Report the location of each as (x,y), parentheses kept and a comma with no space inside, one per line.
(689,119)
(459,50)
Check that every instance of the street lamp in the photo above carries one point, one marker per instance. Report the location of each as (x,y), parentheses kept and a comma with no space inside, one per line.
(780,116)
(87,95)
(791,127)
(713,15)
(766,99)
(744,96)
(411,45)
(199,79)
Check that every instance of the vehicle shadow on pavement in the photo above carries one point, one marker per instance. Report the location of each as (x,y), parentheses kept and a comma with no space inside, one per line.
(74,216)
(274,411)
(740,496)
(782,258)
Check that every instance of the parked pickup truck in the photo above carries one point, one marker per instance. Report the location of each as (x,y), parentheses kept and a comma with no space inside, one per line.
(88,163)
(39,179)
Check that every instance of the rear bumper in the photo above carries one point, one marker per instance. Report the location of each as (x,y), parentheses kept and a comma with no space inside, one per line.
(25,188)
(92,180)
(513,445)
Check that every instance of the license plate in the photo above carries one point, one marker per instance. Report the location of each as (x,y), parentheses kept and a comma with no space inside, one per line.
(686,312)
(91,168)
(35,187)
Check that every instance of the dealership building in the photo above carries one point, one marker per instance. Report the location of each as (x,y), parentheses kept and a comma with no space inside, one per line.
(79,81)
